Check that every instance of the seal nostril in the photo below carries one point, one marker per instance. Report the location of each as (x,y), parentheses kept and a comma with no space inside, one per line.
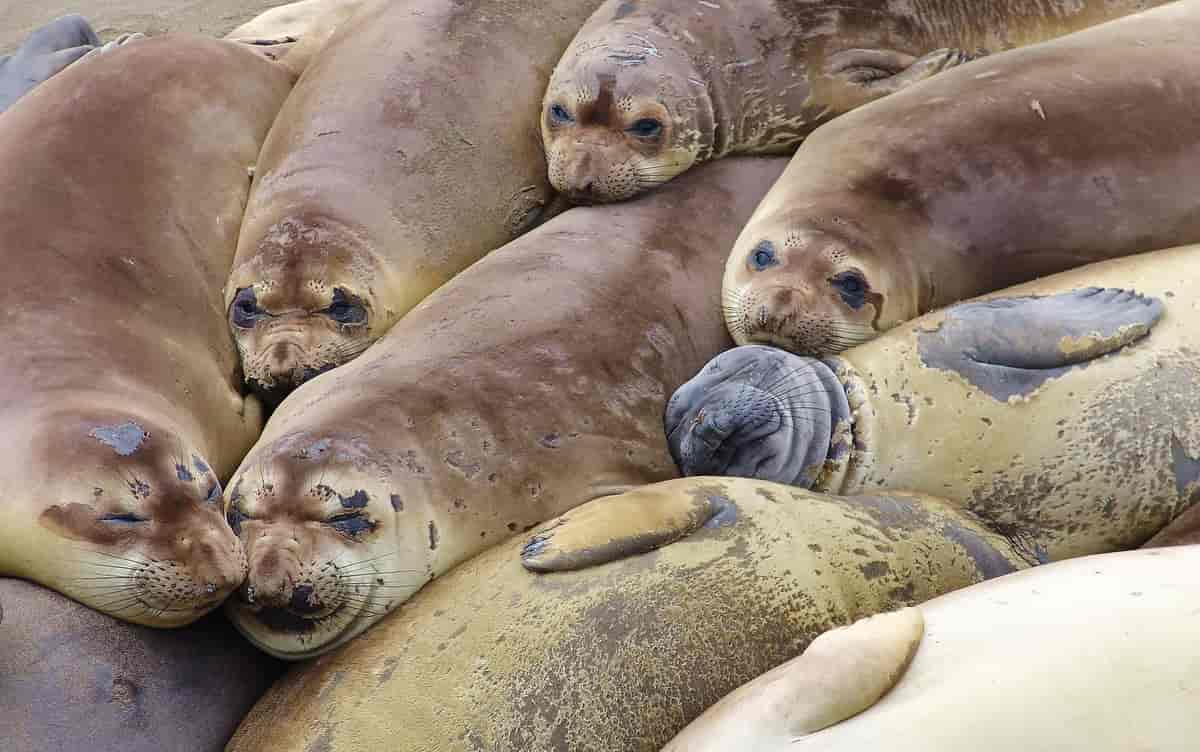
(210,588)
(302,600)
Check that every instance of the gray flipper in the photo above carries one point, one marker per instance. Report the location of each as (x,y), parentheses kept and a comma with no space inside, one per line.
(1010,346)
(870,74)
(616,527)
(46,52)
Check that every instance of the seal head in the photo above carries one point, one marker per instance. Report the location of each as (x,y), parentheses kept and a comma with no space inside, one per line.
(623,115)
(814,287)
(301,305)
(146,541)
(752,412)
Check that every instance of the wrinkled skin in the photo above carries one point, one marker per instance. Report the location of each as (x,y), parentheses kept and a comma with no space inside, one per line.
(408,150)
(650,88)
(1010,168)
(120,393)
(531,383)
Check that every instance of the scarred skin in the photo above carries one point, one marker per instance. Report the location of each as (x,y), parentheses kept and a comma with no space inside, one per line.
(1075,432)
(529,384)
(649,88)
(76,680)
(622,656)
(295,33)
(119,395)
(1111,637)
(1006,169)
(401,158)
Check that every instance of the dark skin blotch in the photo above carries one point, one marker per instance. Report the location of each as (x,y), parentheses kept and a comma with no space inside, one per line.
(358,500)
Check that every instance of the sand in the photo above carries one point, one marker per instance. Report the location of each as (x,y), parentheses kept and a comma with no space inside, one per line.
(111,18)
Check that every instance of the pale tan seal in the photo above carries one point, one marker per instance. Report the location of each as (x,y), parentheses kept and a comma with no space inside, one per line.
(407,151)
(119,387)
(1062,411)
(649,88)
(527,385)
(1091,655)
(295,33)
(622,656)
(1006,169)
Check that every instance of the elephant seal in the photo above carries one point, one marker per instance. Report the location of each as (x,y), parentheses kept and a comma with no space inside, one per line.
(46,52)
(294,33)
(530,383)
(75,680)
(119,393)
(1006,169)
(623,656)
(649,88)
(398,161)
(1093,654)
(1061,411)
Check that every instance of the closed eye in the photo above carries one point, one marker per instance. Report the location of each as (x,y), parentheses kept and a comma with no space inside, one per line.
(126,518)
(352,524)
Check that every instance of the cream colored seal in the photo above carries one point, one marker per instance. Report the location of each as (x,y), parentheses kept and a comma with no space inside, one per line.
(650,88)
(1091,655)
(119,389)
(1062,411)
(1009,168)
(295,33)
(622,656)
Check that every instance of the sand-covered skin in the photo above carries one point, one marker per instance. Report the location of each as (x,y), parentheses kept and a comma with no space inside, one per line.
(111,18)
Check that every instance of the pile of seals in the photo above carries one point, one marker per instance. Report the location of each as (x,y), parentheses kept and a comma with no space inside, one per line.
(392,327)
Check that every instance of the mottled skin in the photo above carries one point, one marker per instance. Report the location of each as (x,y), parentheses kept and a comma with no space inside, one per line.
(620,657)
(529,384)
(119,393)
(1091,655)
(296,32)
(408,150)
(649,88)
(75,680)
(1071,454)
(1006,169)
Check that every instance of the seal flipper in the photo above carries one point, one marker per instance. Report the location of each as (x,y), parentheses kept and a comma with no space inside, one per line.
(1010,346)
(871,74)
(616,527)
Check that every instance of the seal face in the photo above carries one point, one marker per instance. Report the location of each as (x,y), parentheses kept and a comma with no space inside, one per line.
(304,312)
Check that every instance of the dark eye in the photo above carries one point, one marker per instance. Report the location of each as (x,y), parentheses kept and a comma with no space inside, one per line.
(346,308)
(763,256)
(126,518)
(646,128)
(352,524)
(559,114)
(244,312)
(214,493)
(235,518)
(852,287)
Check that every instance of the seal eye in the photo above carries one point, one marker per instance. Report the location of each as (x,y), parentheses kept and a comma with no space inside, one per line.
(559,114)
(346,309)
(646,128)
(763,256)
(244,312)
(852,287)
(352,524)
(124,518)
(235,518)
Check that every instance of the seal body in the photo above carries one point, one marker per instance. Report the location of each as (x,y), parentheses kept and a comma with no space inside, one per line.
(398,160)
(622,656)
(649,88)
(1006,169)
(119,393)
(1059,411)
(47,51)
(295,32)
(76,680)
(529,384)
(1073,640)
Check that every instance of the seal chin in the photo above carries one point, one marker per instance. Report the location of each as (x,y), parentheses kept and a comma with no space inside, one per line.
(756,412)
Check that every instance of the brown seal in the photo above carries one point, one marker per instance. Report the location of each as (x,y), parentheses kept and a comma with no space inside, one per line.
(408,150)
(75,680)
(1006,169)
(624,655)
(528,384)
(649,88)
(120,392)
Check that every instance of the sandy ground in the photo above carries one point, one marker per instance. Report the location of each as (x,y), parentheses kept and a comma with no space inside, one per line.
(111,18)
